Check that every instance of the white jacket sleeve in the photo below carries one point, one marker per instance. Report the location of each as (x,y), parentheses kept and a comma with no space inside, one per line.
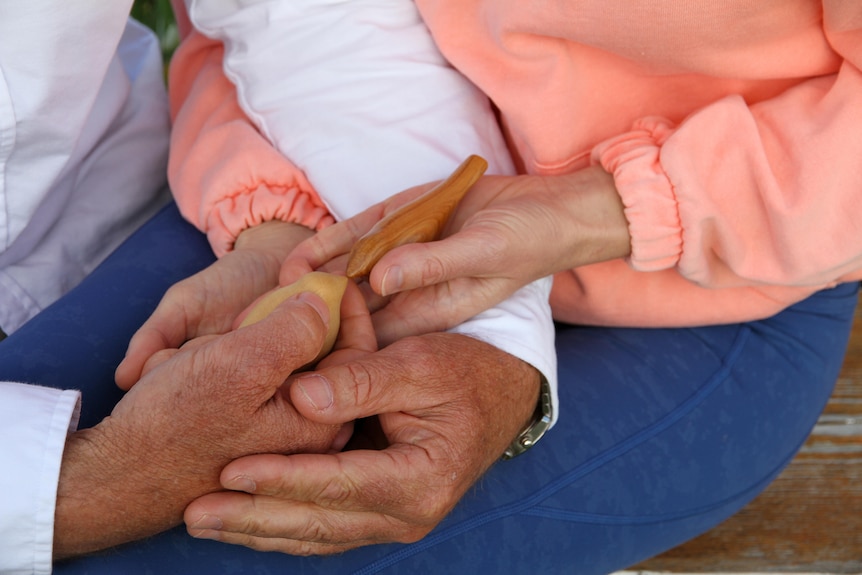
(356,94)
(84,132)
(34,423)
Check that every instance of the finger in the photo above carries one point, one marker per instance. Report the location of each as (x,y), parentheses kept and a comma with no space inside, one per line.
(337,265)
(359,481)
(331,242)
(163,355)
(341,438)
(280,545)
(473,252)
(406,376)
(337,240)
(418,312)
(357,496)
(259,520)
(438,307)
(357,331)
(356,335)
(373,300)
(156,334)
(292,269)
(360,388)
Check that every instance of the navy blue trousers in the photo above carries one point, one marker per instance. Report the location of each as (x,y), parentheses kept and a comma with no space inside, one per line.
(663,433)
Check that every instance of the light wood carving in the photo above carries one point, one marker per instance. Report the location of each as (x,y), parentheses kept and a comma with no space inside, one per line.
(421,220)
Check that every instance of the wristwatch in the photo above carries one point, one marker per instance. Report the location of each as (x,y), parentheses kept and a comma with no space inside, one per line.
(538,425)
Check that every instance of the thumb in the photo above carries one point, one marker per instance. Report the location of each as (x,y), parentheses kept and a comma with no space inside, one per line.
(265,353)
(469,253)
(376,383)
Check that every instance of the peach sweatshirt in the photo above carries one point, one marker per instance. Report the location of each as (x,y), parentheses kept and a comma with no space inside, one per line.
(733,130)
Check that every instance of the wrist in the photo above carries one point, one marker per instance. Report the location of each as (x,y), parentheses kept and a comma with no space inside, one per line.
(111,492)
(274,236)
(83,493)
(519,388)
(594,204)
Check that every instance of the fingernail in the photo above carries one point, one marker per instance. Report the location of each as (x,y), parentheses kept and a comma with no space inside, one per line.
(317,303)
(393,279)
(242,483)
(207,521)
(317,390)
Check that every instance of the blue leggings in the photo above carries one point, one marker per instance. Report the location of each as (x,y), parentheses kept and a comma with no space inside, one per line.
(663,434)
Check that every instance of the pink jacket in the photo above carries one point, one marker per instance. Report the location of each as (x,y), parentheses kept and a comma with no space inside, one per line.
(733,130)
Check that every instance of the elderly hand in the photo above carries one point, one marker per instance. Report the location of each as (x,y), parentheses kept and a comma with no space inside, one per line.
(506,233)
(195,410)
(449,406)
(209,302)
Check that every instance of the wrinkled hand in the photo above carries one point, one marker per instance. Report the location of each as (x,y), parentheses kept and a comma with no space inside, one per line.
(195,410)
(208,302)
(449,406)
(506,233)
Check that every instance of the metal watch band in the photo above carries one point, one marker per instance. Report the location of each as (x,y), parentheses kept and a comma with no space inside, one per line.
(538,425)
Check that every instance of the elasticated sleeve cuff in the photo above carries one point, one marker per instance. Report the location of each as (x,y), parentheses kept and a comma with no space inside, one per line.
(646,192)
(248,208)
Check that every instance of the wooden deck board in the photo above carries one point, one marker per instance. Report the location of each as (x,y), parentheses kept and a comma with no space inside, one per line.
(810,519)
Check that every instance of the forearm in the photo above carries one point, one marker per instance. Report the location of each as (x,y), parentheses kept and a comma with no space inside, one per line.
(111,492)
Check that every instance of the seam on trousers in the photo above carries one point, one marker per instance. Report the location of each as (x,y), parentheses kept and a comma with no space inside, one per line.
(598,519)
(585,468)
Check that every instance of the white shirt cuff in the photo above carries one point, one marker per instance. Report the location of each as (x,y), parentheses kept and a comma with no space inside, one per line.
(522,326)
(34,423)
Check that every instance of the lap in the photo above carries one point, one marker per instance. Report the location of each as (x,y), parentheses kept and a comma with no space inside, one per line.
(662,434)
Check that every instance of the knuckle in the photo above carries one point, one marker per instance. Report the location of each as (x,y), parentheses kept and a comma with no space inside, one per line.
(412,534)
(363,387)
(177,291)
(495,251)
(269,348)
(337,491)
(309,549)
(160,356)
(305,549)
(353,228)
(432,508)
(323,535)
(424,353)
(417,347)
(433,269)
(182,294)
(316,532)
